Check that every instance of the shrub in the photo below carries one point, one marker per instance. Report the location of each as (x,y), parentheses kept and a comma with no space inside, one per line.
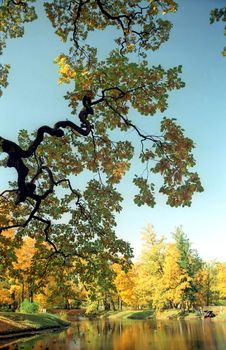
(91,307)
(27,307)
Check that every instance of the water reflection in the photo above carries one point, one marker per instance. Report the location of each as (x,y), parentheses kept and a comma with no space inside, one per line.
(131,335)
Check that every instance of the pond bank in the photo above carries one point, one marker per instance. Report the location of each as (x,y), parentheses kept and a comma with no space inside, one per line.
(17,324)
(170,314)
(128,314)
(147,314)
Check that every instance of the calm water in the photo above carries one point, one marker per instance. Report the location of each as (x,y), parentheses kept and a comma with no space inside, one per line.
(130,335)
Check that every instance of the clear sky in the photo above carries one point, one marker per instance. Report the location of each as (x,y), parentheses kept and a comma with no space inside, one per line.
(33,98)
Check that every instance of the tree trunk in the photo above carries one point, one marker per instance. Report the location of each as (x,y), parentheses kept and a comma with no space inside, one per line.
(113,305)
(31,296)
(119,303)
(107,306)
(208,293)
(23,292)
(14,304)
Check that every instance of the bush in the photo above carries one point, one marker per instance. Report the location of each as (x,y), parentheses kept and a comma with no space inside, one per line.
(91,307)
(4,307)
(141,315)
(29,308)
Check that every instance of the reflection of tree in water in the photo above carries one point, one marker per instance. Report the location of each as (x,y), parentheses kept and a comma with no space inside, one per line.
(132,335)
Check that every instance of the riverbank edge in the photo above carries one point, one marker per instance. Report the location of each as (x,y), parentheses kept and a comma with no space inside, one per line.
(144,314)
(19,325)
(111,315)
(172,314)
(30,332)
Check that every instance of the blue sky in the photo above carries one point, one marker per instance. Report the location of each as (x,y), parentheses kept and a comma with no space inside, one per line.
(33,98)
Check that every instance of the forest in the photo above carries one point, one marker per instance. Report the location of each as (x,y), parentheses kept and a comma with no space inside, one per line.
(167,275)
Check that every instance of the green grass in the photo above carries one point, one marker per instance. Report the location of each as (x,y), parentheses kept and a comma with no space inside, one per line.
(141,315)
(127,314)
(168,314)
(174,314)
(11,322)
(220,317)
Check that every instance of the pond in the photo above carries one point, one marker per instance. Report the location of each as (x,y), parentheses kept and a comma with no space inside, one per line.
(129,335)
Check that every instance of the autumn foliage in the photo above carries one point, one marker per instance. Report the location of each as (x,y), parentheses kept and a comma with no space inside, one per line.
(63,203)
(163,277)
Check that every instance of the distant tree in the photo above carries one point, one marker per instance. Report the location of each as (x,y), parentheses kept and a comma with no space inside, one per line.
(7,252)
(175,279)
(107,93)
(190,263)
(126,285)
(221,280)
(150,268)
(207,284)
(62,289)
(167,273)
(23,277)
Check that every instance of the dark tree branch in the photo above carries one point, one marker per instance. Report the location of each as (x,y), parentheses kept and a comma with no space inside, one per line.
(46,230)
(27,189)
(154,139)
(114,18)
(16,154)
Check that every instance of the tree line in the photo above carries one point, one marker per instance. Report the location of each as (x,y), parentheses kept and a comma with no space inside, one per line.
(167,274)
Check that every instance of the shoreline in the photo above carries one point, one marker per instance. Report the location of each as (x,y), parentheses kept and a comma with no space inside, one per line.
(15,325)
(167,315)
(31,332)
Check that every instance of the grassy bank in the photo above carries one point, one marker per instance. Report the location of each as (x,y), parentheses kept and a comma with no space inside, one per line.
(171,314)
(12,324)
(147,314)
(127,314)
(174,314)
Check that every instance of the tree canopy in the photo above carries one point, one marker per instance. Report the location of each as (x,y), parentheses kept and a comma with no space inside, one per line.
(74,224)
(216,15)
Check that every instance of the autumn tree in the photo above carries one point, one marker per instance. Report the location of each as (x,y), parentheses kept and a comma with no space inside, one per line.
(206,285)
(22,270)
(63,289)
(20,277)
(150,268)
(190,263)
(175,280)
(126,285)
(94,141)
(169,274)
(8,258)
(221,280)
(7,252)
